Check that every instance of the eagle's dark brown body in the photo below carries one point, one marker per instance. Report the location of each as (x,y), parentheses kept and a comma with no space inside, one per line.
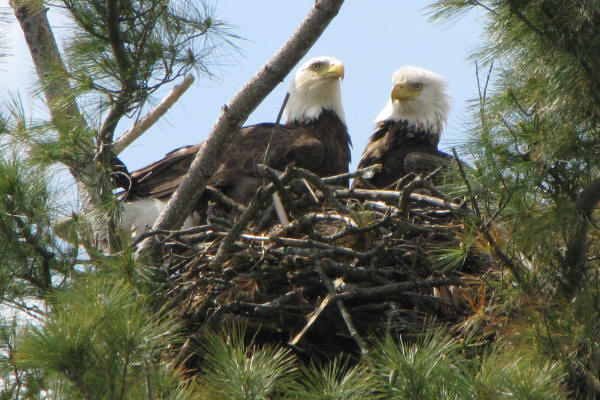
(401,149)
(321,146)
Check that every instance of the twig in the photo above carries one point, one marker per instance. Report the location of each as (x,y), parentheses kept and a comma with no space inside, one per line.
(313,244)
(275,126)
(415,184)
(310,191)
(355,274)
(277,203)
(154,115)
(359,172)
(314,315)
(256,204)
(176,234)
(394,196)
(395,288)
(322,186)
(280,210)
(342,307)
(487,8)
(223,198)
(313,217)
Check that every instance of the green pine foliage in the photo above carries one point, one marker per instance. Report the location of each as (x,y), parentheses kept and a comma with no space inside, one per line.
(337,381)
(235,370)
(126,50)
(103,341)
(434,366)
(427,369)
(535,147)
(91,325)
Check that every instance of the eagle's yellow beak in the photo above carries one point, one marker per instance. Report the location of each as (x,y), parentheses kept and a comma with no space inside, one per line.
(334,71)
(403,92)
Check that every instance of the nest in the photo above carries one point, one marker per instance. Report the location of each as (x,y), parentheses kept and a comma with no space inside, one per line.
(350,263)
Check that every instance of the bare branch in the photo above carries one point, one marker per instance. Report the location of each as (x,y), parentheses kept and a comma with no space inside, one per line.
(154,115)
(394,196)
(343,310)
(235,113)
(395,288)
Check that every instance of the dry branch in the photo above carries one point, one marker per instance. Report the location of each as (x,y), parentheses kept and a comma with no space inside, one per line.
(345,315)
(154,115)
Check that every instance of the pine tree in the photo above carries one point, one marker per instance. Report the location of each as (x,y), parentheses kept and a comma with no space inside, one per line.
(535,151)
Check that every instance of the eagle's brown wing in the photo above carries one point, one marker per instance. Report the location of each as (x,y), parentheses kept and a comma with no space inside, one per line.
(276,146)
(161,178)
(237,176)
(400,150)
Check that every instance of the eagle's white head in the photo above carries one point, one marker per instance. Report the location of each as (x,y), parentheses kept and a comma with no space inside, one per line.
(419,97)
(316,86)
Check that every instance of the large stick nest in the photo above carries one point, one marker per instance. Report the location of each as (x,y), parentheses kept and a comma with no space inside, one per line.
(349,263)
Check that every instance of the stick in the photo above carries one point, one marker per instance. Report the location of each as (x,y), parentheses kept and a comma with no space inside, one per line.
(394,196)
(154,115)
(361,172)
(342,307)
(311,320)
(280,210)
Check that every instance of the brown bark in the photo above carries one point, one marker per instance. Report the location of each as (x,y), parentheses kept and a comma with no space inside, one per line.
(48,64)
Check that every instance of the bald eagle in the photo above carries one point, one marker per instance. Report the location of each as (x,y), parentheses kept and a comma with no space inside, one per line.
(408,129)
(314,136)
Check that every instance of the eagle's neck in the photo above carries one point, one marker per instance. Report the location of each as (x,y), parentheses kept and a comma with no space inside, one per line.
(427,119)
(309,99)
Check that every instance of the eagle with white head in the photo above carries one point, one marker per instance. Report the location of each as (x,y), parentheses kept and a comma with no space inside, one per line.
(408,129)
(314,136)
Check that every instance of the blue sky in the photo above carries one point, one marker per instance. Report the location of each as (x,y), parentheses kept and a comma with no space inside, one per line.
(372,38)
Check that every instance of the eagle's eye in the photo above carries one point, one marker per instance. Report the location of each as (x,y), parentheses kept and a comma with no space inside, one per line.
(316,66)
(418,86)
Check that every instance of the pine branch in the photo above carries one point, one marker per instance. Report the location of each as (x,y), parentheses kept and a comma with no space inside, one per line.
(235,113)
(577,243)
(92,182)
(517,269)
(154,115)
(126,71)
